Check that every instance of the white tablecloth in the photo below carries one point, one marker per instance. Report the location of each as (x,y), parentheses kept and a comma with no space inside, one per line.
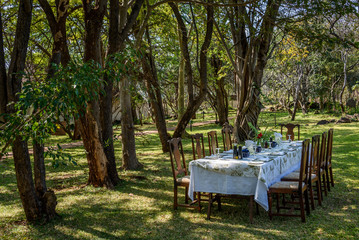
(250,176)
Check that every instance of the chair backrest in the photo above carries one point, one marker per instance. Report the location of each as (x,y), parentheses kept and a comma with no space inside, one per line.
(212,142)
(314,166)
(323,150)
(198,146)
(178,163)
(290,131)
(303,174)
(227,130)
(329,146)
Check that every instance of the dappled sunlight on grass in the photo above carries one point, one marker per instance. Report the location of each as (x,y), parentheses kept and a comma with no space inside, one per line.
(141,206)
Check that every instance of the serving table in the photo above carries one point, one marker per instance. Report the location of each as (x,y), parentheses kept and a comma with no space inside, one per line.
(250,176)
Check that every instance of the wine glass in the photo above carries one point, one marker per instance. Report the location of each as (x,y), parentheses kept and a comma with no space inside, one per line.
(289,139)
(254,148)
(218,152)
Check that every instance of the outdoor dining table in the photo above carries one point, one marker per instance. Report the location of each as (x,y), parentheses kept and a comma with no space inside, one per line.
(250,176)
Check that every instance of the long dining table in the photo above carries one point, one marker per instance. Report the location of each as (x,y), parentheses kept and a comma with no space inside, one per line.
(250,176)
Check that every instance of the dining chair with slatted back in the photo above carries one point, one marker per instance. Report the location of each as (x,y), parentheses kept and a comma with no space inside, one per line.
(227,130)
(198,146)
(290,130)
(212,142)
(329,169)
(180,174)
(323,159)
(314,171)
(299,188)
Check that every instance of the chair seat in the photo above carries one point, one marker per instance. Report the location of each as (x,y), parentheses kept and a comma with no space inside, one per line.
(285,185)
(183,181)
(294,176)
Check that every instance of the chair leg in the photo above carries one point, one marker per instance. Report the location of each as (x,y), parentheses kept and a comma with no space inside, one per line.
(257,208)
(251,209)
(307,201)
(331,176)
(302,214)
(324,182)
(209,206)
(175,198)
(311,195)
(319,192)
(218,198)
(199,202)
(270,205)
(186,195)
(328,179)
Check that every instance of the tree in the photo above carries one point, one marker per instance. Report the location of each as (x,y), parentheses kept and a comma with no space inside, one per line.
(251,36)
(37,201)
(197,100)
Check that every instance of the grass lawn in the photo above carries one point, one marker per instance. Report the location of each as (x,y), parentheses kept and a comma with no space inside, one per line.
(140,207)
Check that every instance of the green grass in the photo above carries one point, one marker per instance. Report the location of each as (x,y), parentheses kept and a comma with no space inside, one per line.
(141,208)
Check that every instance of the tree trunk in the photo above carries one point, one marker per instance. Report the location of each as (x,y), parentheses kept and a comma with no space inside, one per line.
(155,97)
(25,183)
(3,83)
(39,169)
(251,51)
(297,91)
(197,101)
(129,159)
(120,24)
(77,132)
(90,120)
(180,94)
(221,94)
(344,59)
(96,158)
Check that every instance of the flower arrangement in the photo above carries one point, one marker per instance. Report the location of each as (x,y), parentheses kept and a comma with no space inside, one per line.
(260,137)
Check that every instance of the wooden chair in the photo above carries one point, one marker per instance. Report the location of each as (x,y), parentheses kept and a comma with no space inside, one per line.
(322,173)
(198,146)
(328,164)
(180,174)
(212,142)
(299,188)
(227,130)
(314,172)
(290,127)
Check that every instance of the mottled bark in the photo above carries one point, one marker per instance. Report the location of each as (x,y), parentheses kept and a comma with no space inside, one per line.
(90,120)
(39,169)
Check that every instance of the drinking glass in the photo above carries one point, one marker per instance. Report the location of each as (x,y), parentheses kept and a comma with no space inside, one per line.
(218,152)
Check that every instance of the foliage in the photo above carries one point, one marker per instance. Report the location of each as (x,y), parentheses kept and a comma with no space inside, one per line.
(260,137)
(67,94)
